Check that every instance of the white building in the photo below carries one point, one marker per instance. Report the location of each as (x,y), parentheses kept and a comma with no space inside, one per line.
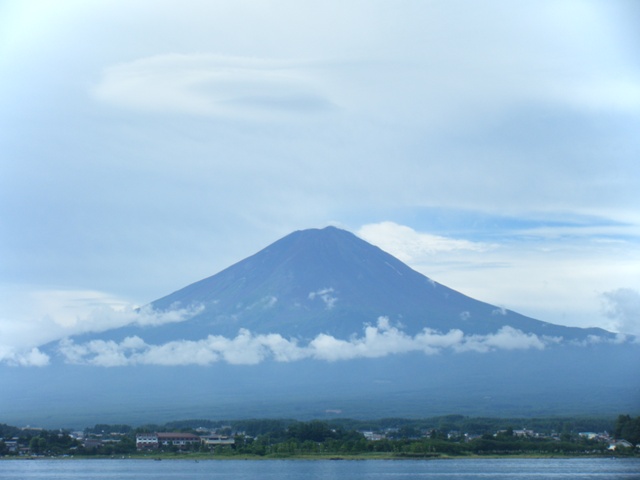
(146,441)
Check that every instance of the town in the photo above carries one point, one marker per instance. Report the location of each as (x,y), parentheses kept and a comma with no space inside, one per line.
(271,438)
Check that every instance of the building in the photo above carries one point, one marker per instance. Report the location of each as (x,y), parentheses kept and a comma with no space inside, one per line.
(146,441)
(90,443)
(12,445)
(177,439)
(152,441)
(213,440)
(620,444)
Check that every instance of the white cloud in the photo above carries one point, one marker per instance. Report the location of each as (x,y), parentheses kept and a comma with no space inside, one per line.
(247,348)
(616,340)
(378,341)
(606,94)
(39,317)
(549,270)
(507,338)
(264,303)
(205,84)
(324,294)
(26,358)
(244,349)
(409,246)
(623,307)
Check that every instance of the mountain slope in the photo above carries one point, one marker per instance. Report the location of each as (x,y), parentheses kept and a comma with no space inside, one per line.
(330,281)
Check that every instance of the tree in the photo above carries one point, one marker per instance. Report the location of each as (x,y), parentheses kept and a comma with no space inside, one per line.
(37,445)
(315,431)
(628,428)
(407,431)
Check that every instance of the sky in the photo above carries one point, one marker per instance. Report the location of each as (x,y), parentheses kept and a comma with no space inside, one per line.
(492,146)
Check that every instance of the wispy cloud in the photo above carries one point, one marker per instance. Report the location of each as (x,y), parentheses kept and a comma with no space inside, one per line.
(552,270)
(507,338)
(622,306)
(326,295)
(246,348)
(23,358)
(64,313)
(409,245)
(264,303)
(205,84)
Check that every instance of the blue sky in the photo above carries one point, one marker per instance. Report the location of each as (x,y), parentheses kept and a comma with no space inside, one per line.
(145,145)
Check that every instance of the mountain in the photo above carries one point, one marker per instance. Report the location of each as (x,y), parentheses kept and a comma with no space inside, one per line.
(330,281)
(321,323)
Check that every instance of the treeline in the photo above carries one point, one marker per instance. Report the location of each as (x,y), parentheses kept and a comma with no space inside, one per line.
(13,440)
(414,448)
(406,427)
(448,435)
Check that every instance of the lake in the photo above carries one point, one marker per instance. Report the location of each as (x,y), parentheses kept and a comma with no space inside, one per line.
(463,469)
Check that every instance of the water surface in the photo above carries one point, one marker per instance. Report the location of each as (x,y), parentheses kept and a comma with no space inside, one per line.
(464,469)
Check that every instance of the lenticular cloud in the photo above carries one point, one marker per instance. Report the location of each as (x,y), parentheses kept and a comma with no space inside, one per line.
(247,348)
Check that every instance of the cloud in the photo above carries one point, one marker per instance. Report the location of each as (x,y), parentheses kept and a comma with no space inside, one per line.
(29,358)
(246,348)
(507,338)
(607,94)
(213,85)
(408,245)
(264,303)
(63,313)
(623,307)
(597,340)
(528,263)
(326,296)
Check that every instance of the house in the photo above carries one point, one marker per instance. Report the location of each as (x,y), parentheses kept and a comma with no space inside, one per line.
(12,445)
(620,443)
(92,443)
(146,441)
(213,440)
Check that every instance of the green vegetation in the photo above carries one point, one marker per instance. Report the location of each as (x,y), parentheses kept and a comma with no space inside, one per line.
(14,441)
(628,428)
(452,435)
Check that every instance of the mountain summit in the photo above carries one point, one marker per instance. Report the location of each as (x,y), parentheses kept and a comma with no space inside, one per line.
(330,281)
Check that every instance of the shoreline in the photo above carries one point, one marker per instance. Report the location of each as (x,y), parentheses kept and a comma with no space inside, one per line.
(306,457)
